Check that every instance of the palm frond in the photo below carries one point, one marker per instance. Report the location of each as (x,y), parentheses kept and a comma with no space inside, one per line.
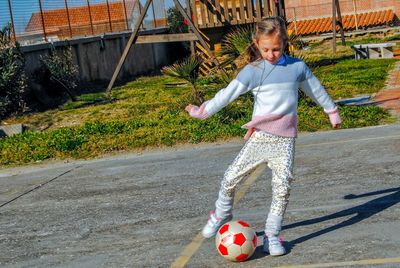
(187,69)
(235,44)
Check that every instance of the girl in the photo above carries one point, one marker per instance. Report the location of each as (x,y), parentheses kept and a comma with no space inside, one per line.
(273,78)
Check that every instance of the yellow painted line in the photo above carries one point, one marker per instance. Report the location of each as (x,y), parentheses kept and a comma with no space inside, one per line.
(346,263)
(190,249)
(346,141)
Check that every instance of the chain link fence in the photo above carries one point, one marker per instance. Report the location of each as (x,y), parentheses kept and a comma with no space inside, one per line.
(38,21)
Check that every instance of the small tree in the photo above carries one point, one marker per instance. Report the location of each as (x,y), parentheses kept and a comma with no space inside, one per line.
(12,76)
(187,69)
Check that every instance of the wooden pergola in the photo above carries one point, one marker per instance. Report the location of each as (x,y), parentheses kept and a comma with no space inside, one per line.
(206,15)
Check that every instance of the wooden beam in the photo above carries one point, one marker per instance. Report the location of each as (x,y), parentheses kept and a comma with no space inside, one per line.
(189,11)
(196,31)
(128,46)
(163,38)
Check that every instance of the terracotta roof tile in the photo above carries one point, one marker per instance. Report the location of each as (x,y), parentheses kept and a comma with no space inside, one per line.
(324,25)
(79,16)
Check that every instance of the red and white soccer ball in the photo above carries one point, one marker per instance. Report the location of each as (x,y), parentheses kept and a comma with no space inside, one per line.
(236,241)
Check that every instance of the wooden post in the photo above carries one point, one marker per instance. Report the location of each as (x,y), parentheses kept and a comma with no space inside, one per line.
(12,20)
(43,24)
(189,11)
(131,41)
(334,25)
(340,22)
(69,21)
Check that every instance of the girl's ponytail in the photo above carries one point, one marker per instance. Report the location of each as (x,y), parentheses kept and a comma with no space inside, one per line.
(252,53)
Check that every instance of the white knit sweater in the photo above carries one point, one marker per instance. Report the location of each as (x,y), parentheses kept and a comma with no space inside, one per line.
(275,90)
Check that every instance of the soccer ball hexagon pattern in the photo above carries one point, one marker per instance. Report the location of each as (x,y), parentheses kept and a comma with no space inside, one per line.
(236,241)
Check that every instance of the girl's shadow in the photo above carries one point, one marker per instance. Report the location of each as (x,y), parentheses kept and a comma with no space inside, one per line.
(361,212)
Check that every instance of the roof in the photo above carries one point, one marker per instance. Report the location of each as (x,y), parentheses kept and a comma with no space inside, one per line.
(79,16)
(324,25)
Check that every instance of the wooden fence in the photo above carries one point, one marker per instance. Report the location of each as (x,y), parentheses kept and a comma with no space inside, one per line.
(215,13)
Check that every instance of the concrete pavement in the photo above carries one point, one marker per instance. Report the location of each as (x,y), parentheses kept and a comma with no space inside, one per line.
(144,210)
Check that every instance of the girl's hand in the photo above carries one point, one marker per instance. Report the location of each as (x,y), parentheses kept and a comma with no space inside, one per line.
(196,111)
(190,107)
(335,119)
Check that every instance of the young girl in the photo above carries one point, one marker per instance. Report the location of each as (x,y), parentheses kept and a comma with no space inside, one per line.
(274,79)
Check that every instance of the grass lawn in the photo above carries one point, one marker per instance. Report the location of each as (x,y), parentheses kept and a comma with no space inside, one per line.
(148,113)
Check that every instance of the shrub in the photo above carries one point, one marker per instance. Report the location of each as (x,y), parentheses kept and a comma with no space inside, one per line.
(176,21)
(58,74)
(12,77)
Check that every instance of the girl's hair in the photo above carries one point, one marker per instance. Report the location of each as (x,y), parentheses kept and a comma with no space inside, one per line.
(267,26)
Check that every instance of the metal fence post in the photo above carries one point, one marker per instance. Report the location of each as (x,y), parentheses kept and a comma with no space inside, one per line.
(43,24)
(355,14)
(154,15)
(69,21)
(126,16)
(109,16)
(90,17)
(295,20)
(12,20)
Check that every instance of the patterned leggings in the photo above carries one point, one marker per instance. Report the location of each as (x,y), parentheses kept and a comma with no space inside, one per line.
(262,147)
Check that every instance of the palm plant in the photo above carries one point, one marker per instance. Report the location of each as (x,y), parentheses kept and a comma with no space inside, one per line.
(234,45)
(187,69)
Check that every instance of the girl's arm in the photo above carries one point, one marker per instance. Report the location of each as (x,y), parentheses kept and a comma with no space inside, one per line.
(223,97)
(310,85)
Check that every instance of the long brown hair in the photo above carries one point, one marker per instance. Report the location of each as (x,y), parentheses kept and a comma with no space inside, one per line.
(267,26)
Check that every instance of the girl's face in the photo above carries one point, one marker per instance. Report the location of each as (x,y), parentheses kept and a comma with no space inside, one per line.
(270,46)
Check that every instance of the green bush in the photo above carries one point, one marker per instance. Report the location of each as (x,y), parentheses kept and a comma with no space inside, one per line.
(176,21)
(12,77)
(58,74)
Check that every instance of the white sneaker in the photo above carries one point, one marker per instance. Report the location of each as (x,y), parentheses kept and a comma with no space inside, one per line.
(213,225)
(273,246)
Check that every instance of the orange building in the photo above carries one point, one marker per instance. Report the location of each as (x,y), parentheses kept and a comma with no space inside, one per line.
(82,20)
